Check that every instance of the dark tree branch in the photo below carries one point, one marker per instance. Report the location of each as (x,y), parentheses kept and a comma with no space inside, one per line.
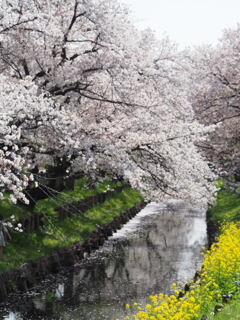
(17,24)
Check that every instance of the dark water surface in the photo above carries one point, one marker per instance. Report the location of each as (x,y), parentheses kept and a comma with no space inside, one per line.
(159,246)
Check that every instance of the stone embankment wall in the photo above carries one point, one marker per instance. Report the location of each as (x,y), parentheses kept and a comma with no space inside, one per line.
(32,272)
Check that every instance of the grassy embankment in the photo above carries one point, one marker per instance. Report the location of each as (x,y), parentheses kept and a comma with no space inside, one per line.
(216,295)
(56,234)
(227,207)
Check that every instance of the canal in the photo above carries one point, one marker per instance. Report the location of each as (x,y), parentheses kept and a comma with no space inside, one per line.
(159,246)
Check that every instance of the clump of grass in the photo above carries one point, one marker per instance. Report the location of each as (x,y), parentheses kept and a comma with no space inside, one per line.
(227,207)
(23,247)
(229,312)
(8,209)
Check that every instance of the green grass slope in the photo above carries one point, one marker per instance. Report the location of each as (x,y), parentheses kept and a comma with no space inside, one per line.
(56,234)
(226,209)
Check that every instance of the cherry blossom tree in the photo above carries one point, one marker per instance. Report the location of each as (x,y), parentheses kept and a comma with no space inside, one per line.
(30,124)
(121,103)
(215,95)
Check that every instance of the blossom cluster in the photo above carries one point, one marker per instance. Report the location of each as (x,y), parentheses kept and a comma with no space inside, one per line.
(30,123)
(11,224)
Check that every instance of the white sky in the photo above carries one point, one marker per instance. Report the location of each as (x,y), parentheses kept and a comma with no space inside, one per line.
(189,22)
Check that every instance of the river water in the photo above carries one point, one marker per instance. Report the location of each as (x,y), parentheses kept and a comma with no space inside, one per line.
(159,246)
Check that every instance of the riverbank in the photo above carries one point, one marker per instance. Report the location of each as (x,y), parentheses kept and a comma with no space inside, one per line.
(216,292)
(64,234)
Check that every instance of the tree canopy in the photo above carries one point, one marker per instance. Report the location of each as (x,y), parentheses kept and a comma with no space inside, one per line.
(215,89)
(79,82)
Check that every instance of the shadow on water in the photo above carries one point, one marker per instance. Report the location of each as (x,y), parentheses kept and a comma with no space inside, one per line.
(161,245)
